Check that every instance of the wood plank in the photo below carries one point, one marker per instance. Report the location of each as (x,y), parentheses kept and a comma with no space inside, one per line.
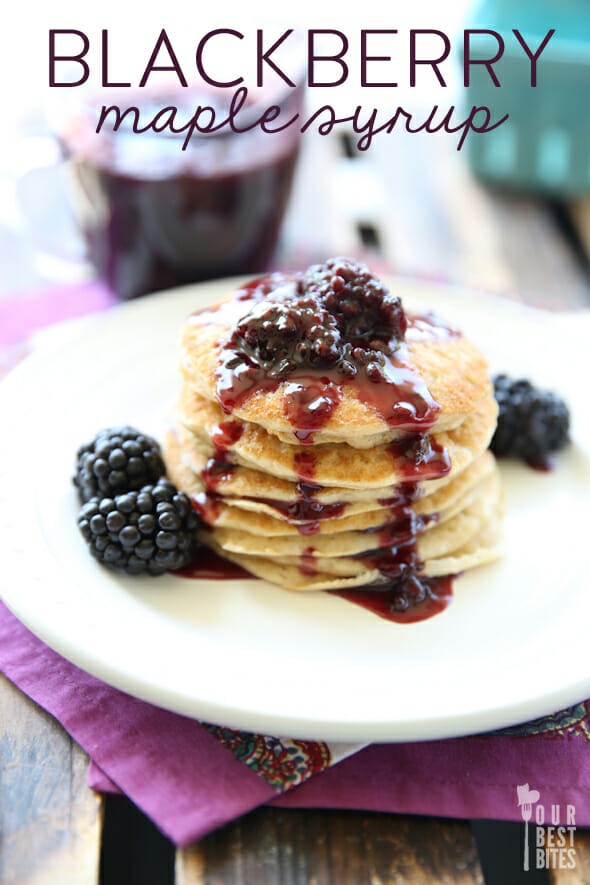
(579,213)
(437,221)
(580,874)
(279,847)
(545,268)
(50,821)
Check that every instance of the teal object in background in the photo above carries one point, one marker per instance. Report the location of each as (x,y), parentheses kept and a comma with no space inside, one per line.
(544,146)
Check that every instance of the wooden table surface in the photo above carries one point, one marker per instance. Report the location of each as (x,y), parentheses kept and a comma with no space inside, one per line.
(411,202)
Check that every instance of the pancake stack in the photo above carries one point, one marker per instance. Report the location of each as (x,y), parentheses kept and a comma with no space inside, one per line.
(329,441)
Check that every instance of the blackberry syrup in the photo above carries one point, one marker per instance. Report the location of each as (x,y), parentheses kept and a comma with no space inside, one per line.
(218,469)
(390,605)
(211,567)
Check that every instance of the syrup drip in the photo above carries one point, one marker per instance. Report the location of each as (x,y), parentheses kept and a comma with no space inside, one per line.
(307,491)
(438,595)
(220,467)
(396,563)
(226,434)
(396,558)
(209,566)
(304,514)
(216,471)
(308,528)
(419,457)
(207,506)
(304,509)
(405,493)
(304,465)
(308,405)
(400,530)
(544,466)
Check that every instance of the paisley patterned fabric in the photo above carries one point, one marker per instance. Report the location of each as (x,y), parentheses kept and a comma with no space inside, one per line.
(281,762)
(285,763)
(566,724)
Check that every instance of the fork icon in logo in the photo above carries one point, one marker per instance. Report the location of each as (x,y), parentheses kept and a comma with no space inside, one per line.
(525,799)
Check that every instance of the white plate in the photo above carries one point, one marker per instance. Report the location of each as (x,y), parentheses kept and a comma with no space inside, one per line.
(512,646)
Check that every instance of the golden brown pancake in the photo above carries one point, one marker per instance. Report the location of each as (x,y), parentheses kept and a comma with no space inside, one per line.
(259,516)
(453,369)
(243,485)
(483,547)
(335,465)
(443,537)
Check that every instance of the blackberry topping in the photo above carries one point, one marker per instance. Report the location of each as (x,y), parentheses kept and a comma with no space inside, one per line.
(146,531)
(118,459)
(336,315)
(333,326)
(281,336)
(362,304)
(532,423)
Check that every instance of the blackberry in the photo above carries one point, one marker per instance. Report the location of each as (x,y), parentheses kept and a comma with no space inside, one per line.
(362,305)
(118,459)
(285,335)
(532,423)
(146,531)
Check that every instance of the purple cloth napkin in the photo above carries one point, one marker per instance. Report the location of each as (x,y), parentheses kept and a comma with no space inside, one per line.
(188,782)
(25,313)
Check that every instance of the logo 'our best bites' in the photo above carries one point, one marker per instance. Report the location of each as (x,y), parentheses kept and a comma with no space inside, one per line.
(554,832)
(325,68)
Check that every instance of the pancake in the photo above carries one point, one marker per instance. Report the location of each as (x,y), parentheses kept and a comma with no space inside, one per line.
(219,513)
(252,489)
(441,538)
(484,547)
(186,462)
(261,517)
(452,368)
(334,465)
